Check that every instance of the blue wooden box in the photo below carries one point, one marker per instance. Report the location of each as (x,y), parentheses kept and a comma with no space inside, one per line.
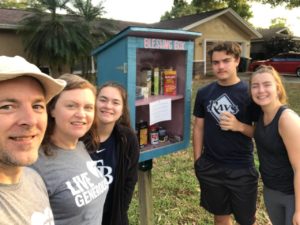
(124,58)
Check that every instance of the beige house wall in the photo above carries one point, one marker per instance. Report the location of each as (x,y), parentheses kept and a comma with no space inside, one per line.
(11,43)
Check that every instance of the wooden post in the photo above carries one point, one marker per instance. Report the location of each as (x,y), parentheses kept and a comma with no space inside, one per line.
(145,193)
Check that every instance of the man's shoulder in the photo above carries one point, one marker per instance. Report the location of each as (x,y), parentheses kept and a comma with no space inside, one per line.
(29,172)
(31,175)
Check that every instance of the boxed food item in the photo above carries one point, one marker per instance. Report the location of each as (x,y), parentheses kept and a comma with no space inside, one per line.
(144,83)
(161,82)
(156,81)
(169,82)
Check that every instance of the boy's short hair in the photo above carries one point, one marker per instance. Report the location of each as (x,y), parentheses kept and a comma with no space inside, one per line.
(231,48)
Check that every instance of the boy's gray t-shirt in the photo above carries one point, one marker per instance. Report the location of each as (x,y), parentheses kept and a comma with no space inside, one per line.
(76,188)
(25,203)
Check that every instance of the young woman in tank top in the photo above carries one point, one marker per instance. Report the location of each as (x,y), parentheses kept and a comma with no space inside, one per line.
(278,146)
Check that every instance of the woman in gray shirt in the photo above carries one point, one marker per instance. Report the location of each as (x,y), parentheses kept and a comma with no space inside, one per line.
(76,188)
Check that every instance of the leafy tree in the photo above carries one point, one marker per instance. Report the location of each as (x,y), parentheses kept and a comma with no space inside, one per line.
(242,7)
(288,3)
(278,44)
(86,9)
(91,14)
(58,40)
(181,7)
(22,4)
(278,22)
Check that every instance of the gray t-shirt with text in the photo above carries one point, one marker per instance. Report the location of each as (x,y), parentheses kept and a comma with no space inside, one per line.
(76,188)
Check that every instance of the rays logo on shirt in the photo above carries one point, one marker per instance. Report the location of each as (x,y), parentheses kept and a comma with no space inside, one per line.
(221,104)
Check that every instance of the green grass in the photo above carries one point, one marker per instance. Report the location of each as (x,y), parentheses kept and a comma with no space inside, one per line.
(175,188)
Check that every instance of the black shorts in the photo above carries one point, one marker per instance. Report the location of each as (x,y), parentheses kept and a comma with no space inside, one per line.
(226,191)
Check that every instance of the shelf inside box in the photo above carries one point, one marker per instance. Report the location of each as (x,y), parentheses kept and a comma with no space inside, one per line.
(146,101)
(150,147)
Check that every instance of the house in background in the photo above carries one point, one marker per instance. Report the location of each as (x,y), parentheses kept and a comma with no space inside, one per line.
(10,41)
(217,25)
(258,45)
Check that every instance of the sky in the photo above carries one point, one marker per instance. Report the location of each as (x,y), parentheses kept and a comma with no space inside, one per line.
(146,11)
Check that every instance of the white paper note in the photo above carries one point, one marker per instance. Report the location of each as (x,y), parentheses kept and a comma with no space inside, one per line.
(160,111)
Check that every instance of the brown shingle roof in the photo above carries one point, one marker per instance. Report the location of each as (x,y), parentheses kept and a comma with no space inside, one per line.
(274,32)
(113,26)
(179,23)
(191,21)
(12,16)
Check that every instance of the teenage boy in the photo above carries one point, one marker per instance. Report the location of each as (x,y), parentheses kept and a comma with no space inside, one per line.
(24,93)
(223,148)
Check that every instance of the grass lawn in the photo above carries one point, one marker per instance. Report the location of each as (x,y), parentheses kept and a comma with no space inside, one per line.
(175,188)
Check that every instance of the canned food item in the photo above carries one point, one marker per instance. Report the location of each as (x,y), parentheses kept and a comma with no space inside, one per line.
(154,138)
(142,130)
(162,135)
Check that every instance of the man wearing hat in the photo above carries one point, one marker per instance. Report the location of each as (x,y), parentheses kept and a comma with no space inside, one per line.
(24,93)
